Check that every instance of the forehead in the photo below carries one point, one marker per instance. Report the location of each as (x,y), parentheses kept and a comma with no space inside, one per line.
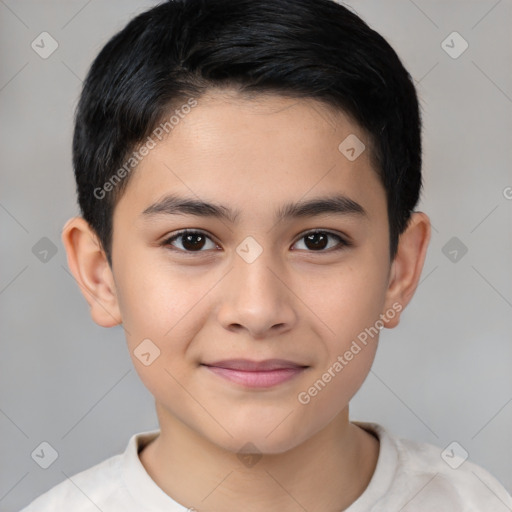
(258,153)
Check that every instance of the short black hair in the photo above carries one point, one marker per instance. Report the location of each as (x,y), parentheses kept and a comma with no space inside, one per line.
(182,49)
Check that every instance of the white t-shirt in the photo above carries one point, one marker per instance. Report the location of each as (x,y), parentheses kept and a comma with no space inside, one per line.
(409,477)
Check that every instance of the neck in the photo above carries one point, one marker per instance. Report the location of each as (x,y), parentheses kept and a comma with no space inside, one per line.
(329,471)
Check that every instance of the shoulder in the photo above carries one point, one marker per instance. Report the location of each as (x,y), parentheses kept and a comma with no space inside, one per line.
(84,491)
(426,477)
(445,476)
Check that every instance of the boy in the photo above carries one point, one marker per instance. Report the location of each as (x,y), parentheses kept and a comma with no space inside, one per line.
(282,138)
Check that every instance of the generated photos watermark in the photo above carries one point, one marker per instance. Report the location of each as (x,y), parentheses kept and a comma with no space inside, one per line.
(304,397)
(137,156)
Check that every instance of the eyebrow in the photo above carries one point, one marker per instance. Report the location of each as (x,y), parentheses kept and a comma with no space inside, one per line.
(175,205)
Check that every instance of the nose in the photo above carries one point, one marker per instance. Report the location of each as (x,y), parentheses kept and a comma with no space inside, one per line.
(256,298)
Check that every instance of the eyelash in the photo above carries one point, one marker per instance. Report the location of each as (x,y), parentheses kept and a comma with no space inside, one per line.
(342,242)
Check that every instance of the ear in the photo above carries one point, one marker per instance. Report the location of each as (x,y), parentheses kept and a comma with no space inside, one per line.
(407,266)
(89,265)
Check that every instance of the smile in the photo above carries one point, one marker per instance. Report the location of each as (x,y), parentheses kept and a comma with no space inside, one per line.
(254,374)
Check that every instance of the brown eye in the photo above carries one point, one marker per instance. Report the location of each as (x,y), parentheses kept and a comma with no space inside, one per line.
(318,241)
(190,241)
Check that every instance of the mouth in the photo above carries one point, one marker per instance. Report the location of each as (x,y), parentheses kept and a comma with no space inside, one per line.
(256,374)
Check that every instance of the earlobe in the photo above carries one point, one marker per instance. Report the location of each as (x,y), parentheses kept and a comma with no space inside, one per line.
(407,266)
(89,266)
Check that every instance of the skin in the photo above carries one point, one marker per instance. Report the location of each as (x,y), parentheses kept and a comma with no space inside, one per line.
(292,302)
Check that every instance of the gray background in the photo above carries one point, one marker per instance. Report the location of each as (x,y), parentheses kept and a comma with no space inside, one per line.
(443,374)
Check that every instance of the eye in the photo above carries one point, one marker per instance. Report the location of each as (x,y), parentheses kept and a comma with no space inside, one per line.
(191,241)
(195,241)
(317,241)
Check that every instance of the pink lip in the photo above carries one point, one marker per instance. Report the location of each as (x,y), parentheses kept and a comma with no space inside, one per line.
(257,374)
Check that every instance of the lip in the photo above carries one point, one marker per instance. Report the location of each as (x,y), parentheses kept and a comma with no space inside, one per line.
(248,365)
(256,374)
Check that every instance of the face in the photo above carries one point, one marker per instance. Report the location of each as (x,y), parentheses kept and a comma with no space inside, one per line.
(250,282)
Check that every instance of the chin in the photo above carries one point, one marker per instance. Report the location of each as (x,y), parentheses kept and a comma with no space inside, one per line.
(270,441)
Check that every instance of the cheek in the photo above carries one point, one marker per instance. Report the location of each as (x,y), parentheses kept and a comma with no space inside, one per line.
(153,306)
(348,299)
(349,302)
(350,306)
(168,307)
(158,307)
(332,388)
